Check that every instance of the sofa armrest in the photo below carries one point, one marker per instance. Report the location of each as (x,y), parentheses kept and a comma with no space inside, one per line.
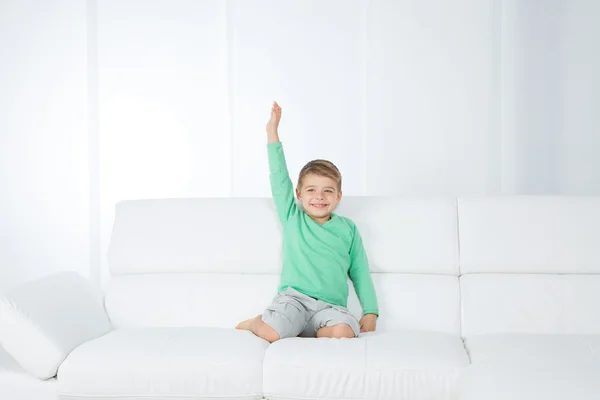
(42,321)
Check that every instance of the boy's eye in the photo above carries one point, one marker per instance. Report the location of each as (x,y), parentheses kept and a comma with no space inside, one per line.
(311,190)
(329,191)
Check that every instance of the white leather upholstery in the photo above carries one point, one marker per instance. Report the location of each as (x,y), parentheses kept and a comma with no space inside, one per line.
(524,367)
(413,365)
(405,234)
(18,384)
(384,366)
(165,363)
(418,302)
(408,301)
(195,235)
(180,262)
(523,291)
(244,236)
(529,234)
(43,320)
(555,381)
(534,349)
(528,303)
(315,369)
(176,300)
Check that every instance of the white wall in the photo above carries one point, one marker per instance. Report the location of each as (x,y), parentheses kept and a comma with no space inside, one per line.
(44,177)
(163,101)
(550,58)
(580,141)
(104,100)
(431,105)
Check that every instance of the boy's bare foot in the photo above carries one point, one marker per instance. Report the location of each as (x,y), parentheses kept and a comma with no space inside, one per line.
(245,325)
(259,328)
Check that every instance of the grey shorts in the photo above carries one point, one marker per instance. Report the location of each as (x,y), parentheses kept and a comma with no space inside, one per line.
(294,314)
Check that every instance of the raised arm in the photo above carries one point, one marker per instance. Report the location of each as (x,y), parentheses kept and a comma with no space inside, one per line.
(273,124)
(282,188)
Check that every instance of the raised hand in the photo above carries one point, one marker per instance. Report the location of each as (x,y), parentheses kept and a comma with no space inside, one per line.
(273,124)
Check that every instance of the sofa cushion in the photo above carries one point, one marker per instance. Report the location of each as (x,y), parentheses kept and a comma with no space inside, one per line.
(523,381)
(177,300)
(398,366)
(18,384)
(308,368)
(41,321)
(191,235)
(530,303)
(541,349)
(530,367)
(414,365)
(529,234)
(165,363)
(406,301)
(399,233)
(416,302)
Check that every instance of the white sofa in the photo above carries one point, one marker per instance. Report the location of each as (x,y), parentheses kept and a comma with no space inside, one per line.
(483,298)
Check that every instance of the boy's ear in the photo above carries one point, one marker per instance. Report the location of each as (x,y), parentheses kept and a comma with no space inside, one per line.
(298,193)
(339,196)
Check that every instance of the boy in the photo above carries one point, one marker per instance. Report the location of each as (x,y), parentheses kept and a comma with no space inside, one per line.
(320,250)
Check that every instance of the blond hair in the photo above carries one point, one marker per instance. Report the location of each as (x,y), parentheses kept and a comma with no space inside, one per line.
(321,168)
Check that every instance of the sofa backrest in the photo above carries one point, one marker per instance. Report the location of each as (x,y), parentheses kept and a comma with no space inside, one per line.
(476,265)
(213,262)
(530,264)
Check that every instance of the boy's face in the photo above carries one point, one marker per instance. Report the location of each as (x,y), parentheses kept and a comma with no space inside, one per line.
(319,196)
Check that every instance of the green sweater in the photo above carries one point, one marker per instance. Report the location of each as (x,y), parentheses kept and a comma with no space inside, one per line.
(318,259)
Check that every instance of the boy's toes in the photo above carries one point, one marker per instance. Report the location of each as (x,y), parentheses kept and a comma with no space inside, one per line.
(245,325)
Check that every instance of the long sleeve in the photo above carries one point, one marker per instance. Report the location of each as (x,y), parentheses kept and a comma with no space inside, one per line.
(282,189)
(361,277)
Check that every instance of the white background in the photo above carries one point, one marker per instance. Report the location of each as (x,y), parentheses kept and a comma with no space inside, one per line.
(105,100)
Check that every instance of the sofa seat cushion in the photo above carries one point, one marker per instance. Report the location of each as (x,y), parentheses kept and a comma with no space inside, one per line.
(393,365)
(309,368)
(165,363)
(555,381)
(533,348)
(530,367)
(18,384)
(414,365)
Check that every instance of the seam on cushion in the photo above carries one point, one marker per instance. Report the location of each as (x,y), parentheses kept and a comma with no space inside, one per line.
(303,366)
(460,299)
(37,329)
(366,376)
(157,396)
(435,370)
(311,398)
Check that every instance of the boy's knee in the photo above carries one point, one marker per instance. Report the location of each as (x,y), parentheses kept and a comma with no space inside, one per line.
(266,332)
(343,331)
(270,337)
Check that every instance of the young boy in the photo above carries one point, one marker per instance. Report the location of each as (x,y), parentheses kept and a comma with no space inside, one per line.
(320,250)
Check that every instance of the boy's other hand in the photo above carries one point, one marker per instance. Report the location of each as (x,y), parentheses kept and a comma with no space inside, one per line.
(368,323)
(273,123)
